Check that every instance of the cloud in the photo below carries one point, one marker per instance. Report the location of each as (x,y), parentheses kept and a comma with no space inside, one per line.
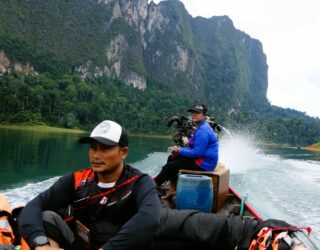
(314,78)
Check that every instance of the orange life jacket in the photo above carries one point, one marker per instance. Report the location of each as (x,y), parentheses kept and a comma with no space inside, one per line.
(270,238)
(9,235)
(6,233)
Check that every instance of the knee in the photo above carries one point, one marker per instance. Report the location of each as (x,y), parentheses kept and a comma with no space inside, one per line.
(168,168)
(56,228)
(51,217)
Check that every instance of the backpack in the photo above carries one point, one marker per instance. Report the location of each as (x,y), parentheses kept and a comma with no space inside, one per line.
(9,234)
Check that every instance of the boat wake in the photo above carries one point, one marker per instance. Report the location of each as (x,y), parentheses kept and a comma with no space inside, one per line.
(286,189)
(19,196)
(152,163)
(238,152)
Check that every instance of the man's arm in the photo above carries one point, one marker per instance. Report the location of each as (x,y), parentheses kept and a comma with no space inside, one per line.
(143,225)
(59,195)
(200,146)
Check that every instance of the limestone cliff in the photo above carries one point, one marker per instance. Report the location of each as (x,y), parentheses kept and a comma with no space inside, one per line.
(137,42)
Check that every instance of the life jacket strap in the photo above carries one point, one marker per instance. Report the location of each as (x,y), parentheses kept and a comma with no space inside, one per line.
(108,192)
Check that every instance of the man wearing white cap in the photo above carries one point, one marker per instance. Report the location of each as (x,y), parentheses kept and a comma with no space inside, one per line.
(117,203)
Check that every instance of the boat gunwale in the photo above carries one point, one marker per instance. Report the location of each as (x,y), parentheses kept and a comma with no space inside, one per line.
(247,205)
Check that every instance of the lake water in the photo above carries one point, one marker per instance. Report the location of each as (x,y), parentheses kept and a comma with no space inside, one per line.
(282,183)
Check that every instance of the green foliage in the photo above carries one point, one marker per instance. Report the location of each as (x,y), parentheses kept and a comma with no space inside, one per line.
(20,51)
(71,31)
(70,102)
(275,124)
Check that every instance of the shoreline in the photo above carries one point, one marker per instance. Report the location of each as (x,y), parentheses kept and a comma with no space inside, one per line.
(151,136)
(272,144)
(42,128)
(314,148)
(46,128)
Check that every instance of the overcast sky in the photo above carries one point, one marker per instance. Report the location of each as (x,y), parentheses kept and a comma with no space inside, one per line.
(290,33)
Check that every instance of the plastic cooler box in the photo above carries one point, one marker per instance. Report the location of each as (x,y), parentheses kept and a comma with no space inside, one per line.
(194,192)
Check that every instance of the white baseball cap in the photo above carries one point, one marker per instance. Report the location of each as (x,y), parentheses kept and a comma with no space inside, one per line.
(108,133)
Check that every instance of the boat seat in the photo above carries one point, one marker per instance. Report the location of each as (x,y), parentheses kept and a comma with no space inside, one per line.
(220,179)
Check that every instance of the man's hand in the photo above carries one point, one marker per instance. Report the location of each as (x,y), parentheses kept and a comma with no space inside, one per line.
(298,247)
(175,149)
(52,246)
(47,247)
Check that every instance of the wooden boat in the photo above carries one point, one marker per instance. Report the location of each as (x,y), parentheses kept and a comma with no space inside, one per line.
(236,199)
(227,201)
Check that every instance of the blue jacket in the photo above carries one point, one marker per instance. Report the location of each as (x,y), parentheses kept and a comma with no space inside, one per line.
(203,147)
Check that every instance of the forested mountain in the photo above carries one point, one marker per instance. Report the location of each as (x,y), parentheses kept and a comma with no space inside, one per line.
(73,63)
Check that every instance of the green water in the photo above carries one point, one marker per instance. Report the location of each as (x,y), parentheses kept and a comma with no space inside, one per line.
(28,156)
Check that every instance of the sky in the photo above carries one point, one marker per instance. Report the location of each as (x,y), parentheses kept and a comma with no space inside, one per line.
(290,33)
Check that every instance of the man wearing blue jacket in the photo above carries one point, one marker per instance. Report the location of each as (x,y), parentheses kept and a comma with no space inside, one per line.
(202,153)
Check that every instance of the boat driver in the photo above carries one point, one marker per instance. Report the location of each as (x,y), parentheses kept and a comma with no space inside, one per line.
(202,153)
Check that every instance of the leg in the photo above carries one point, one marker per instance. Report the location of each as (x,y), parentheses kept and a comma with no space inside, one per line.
(57,230)
(171,169)
(173,157)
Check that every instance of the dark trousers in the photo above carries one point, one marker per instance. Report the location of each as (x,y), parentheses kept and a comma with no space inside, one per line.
(58,230)
(171,169)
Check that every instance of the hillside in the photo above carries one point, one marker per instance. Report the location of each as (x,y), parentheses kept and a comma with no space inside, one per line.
(72,63)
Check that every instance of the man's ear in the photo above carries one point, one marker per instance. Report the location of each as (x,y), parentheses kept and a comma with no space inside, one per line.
(124,152)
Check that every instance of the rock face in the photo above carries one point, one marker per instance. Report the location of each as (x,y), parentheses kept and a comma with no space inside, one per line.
(206,60)
(4,63)
(7,67)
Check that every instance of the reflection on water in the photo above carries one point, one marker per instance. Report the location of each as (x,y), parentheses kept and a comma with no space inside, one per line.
(141,147)
(35,156)
(29,155)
